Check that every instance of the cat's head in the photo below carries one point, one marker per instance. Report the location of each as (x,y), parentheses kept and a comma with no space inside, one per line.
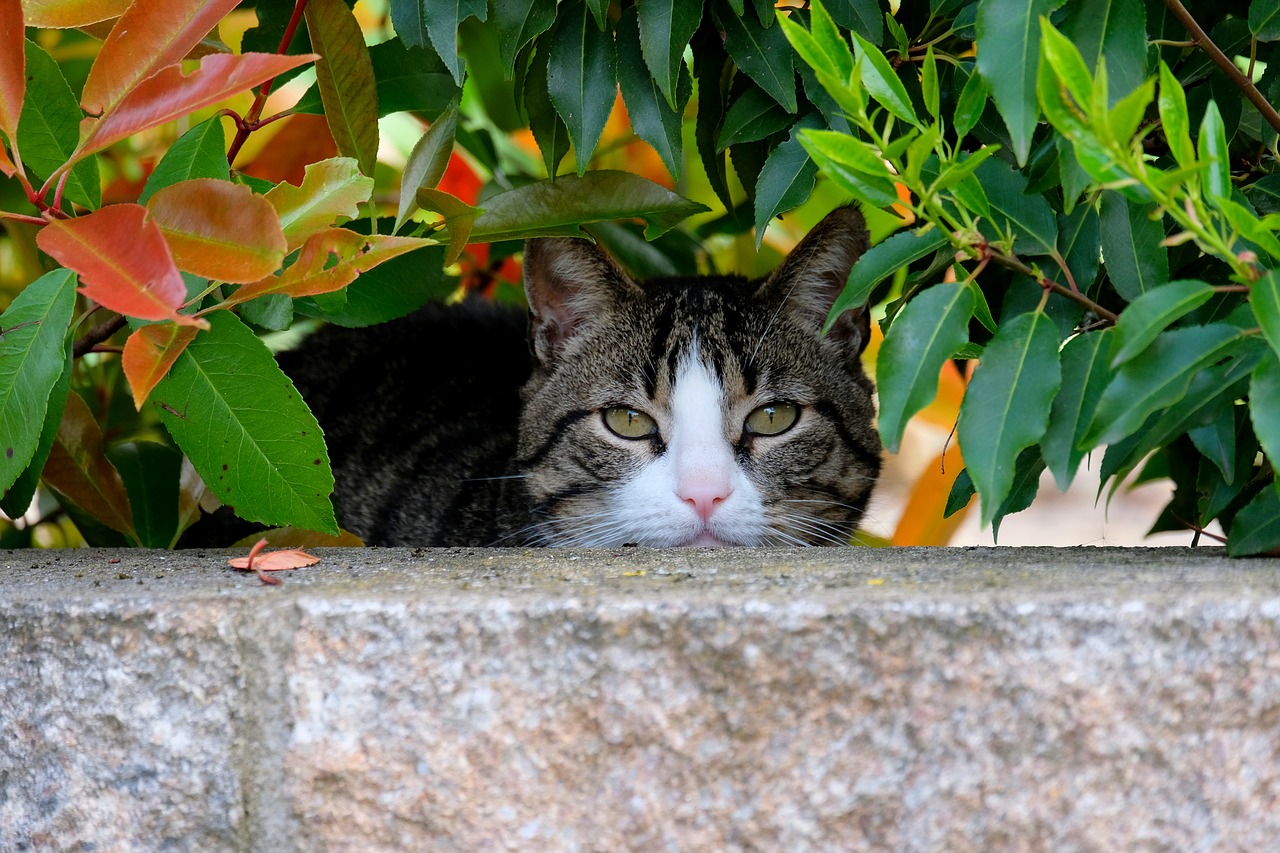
(697,411)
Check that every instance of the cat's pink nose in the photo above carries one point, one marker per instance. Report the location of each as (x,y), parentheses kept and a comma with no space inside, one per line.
(705,498)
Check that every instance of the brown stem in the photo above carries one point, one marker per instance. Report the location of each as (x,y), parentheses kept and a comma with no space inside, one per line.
(1224,62)
(97,335)
(1013,263)
(250,121)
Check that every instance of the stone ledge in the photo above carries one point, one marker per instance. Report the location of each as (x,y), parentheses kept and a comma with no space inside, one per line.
(387,699)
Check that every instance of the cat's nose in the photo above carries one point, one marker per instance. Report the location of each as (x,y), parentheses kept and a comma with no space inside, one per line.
(705,498)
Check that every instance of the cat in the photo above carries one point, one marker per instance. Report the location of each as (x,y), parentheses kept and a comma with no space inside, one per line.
(702,411)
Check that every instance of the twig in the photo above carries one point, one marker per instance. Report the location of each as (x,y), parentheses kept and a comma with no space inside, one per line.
(97,335)
(1220,59)
(1013,263)
(250,121)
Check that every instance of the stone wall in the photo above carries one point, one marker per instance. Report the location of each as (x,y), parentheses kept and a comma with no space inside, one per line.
(909,699)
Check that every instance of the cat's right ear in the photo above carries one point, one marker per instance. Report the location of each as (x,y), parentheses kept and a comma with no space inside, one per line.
(568,283)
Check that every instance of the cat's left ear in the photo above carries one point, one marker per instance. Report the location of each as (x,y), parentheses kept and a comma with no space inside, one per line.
(815,273)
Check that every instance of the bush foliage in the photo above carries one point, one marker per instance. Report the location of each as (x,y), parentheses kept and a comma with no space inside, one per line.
(1078,199)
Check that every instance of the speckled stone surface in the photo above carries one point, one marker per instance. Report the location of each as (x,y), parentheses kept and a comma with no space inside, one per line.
(910,699)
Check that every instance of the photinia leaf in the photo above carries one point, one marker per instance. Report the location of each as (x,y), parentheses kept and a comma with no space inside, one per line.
(666,28)
(1006,407)
(1149,314)
(79,470)
(1009,38)
(219,230)
(201,152)
(13,69)
(787,179)
(1084,378)
(123,262)
(407,79)
(170,94)
(330,189)
(923,336)
(388,291)
(520,22)
(246,430)
(344,75)
(64,14)
(49,128)
(652,118)
(582,78)
(1256,528)
(881,261)
(16,499)
(456,215)
(149,353)
(557,208)
(426,163)
(1136,262)
(32,358)
(149,36)
(329,261)
(151,473)
(762,54)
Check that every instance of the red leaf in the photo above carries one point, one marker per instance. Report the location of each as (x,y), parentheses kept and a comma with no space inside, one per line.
(150,35)
(149,353)
(276,561)
(13,72)
(219,230)
(123,262)
(6,165)
(329,261)
(170,94)
(62,14)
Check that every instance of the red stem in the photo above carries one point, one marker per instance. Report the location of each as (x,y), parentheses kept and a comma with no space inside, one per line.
(249,124)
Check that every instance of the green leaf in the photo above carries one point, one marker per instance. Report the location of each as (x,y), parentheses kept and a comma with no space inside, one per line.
(969,107)
(557,208)
(1265,194)
(881,261)
(49,129)
(652,118)
(1151,313)
(786,181)
(666,28)
(441,19)
(831,42)
(1264,19)
(32,358)
(923,336)
(1215,162)
(426,164)
(15,499)
(390,290)
(1256,528)
(1136,262)
(1008,53)
(1006,407)
(582,78)
(880,80)
(201,152)
(872,190)
(344,74)
(863,17)
(1247,225)
(151,472)
(850,151)
(1114,32)
(1264,405)
(1030,218)
(1158,377)
(1264,296)
(1084,377)
(711,67)
(406,79)
(929,83)
(754,115)
(520,22)
(762,54)
(1026,485)
(545,123)
(246,430)
(1173,117)
(1216,441)
(1079,246)
(458,218)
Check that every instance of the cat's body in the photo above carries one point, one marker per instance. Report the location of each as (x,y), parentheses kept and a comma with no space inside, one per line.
(671,412)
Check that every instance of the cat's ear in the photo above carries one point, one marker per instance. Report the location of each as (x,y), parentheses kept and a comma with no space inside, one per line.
(568,282)
(815,272)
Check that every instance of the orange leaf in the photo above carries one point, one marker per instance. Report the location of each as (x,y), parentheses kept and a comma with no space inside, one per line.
(329,261)
(79,470)
(277,561)
(149,353)
(13,71)
(6,165)
(170,94)
(330,189)
(150,35)
(219,230)
(62,14)
(123,262)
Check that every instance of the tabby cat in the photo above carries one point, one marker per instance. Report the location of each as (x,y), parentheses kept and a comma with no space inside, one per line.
(704,411)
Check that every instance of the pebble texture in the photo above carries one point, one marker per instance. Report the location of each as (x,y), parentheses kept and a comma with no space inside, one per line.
(908,699)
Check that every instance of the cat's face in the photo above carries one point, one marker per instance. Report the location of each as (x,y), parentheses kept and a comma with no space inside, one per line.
(703,411)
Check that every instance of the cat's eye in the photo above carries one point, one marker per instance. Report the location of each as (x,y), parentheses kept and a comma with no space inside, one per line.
(626,422)
(772,419)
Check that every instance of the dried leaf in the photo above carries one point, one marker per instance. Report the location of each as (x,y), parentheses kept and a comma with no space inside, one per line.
(219,230)
(149,353)
(123,262)
(330,189)
(62,14)
(13,74)
(276,561)
(150,35)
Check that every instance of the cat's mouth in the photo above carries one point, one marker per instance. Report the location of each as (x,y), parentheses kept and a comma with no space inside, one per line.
(705,539)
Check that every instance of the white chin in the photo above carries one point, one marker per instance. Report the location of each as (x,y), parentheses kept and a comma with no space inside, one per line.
(706,540)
